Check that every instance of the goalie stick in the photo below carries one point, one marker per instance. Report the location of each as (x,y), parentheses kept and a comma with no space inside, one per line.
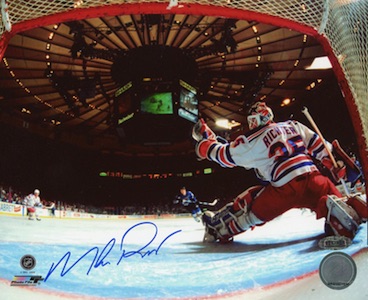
(314,125)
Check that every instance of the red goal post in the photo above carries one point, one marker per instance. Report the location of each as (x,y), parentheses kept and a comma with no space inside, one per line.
(339,25)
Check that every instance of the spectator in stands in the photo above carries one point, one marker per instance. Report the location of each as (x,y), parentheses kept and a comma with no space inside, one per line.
(3,195)
(52,208)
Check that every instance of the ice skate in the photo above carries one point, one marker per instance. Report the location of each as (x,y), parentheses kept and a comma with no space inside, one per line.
(342,219)
(198,216)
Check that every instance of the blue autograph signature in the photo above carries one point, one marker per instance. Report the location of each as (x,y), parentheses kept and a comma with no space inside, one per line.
(100,258)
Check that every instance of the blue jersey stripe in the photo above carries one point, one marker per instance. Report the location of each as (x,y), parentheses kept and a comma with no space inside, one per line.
(318,150)
(282,160)
(293,168)
(228,155)
(312,141)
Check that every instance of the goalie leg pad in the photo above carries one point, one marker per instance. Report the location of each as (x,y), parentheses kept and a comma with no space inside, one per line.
(227,222)
(216,223)
(233,218)
(341,218)
(360,206)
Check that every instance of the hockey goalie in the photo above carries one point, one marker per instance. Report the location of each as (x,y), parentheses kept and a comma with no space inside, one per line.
(284,157)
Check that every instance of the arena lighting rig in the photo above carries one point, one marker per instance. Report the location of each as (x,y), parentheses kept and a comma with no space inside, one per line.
(224,48)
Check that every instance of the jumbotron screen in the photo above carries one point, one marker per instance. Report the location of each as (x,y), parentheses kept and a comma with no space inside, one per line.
(157,104)
(188,102)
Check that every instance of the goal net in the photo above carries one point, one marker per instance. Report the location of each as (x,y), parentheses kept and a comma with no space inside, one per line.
(340,26)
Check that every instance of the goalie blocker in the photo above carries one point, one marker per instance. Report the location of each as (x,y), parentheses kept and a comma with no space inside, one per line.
(351,171)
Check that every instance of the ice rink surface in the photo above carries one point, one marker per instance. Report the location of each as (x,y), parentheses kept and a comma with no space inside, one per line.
(166,259)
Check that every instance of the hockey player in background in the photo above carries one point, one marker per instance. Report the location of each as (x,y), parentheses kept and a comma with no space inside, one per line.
(32,201)
(282,155)
(189,201)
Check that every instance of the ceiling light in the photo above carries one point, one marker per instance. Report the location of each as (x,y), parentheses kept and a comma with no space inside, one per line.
(286,101)
(5,62)
(224,123)
(341,58)
(320,63)
(78,3)
(24,110)
(255,30)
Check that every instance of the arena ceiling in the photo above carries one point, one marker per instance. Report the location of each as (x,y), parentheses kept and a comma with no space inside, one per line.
(61,80)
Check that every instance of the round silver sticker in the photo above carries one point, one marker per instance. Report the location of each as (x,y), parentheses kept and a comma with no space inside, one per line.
(337,270)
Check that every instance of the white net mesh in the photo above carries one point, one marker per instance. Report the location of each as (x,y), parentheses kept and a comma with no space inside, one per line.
(346,29)
(308,12)
(343,22)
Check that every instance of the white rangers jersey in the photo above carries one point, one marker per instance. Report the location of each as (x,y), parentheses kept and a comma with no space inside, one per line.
(32,200)
(278,152)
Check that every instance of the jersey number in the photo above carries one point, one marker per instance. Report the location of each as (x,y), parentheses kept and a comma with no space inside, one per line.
(287,148)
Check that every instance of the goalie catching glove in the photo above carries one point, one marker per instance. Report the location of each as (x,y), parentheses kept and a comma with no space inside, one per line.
(201,131)
(205,137)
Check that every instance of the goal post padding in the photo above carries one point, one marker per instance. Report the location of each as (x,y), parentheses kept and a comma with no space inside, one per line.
(316,27)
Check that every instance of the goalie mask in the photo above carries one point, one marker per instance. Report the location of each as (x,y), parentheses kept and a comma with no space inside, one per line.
(259,114)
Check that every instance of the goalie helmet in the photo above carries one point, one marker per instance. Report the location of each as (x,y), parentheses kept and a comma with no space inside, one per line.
(259,114)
